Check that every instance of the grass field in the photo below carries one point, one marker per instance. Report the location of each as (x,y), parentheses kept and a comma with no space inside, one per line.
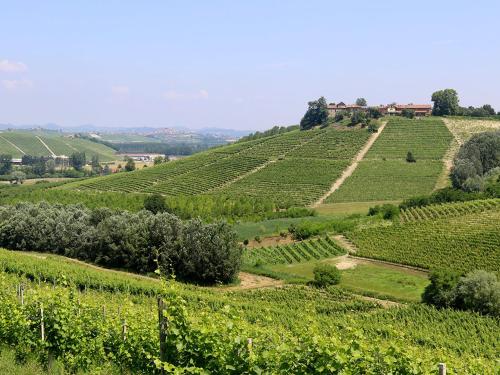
(32,143)
(370,279)
(384,173)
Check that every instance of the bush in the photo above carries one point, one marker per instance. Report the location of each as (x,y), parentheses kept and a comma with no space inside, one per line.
(139,242)
(479,291)
(303,230)
(372,128)
(155,203)
(441,292)
(387,211)
(410,158)
(408,113)
(325,275)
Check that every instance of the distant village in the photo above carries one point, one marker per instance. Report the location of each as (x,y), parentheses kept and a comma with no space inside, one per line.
(389,109)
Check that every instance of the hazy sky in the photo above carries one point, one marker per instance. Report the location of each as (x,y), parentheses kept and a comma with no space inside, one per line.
(237,64)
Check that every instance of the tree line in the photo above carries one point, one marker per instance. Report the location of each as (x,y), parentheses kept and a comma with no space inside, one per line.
(446,103)
(139,242)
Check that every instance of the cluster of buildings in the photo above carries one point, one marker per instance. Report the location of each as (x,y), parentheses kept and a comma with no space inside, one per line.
(390,109)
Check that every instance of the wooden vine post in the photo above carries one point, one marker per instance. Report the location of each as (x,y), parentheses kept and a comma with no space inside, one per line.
(42,324)
(442,369)
(162,329)
(124,330)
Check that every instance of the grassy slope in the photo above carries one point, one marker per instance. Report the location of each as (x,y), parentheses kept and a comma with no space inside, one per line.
(384,173)
(59,144)
(295,167)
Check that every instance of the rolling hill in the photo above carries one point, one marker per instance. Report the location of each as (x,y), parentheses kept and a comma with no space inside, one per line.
(48,143)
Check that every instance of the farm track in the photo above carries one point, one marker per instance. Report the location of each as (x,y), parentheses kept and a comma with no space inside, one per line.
(13,145)
(352,167)
(46,146)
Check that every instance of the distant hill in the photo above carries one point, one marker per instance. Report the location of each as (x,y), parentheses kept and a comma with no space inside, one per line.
(49,143)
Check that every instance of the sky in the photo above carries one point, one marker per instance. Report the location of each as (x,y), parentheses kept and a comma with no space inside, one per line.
(237,64)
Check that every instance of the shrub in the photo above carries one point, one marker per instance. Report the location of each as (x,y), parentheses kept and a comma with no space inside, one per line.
(479,291)
(387,211)
(155,203)
(245,242)
(441,292)
(410,158)
(258,239)
(325,275)
(372,128)
(408,113)
(303,230)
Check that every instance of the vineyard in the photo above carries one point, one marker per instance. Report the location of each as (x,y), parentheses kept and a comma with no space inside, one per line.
(384,173)
(294,329)
(19,143)
(448,210)
(457,241)
(303,251)
(293,168)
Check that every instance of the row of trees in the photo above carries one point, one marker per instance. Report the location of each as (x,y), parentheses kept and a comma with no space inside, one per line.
(446,103)
(275,130)
(477,291)
(139,242)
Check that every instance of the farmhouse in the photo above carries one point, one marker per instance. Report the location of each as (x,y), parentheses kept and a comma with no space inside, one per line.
(390,109)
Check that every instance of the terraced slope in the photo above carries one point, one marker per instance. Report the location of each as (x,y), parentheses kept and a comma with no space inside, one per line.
(44,143)
(463,242)
(294,168)
(384,173)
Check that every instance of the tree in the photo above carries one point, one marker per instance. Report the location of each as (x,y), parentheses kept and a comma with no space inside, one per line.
(159,159)
(5,164)
(410,158)
(374,112)
(441,292)
(78,160)
(17,177)
(155,203)
(489,109)
(325,275)
(372,128)
(339,116)
(361,102)
(316,114)
(445,102)
(358,117)
(50,166)
(130,165)
(106,170)
(479,291)
(96,166)
(408,113)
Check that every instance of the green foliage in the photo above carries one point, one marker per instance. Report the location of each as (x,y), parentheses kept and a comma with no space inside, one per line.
(445,103)
(384,174)
(387,211)
(374,112)
(372,128)
(124,240)
(441,292)
(410,158)
(130,165)
(275,130)
(316,114)
(155,203)
(5,164)
(361,102)
(479,291)
(408,113)
(77,160)
(462,242)
(326,275)
(297,252)
(475,158)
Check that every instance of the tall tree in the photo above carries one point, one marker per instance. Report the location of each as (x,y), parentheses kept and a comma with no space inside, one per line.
(5,164)
(316,114)
(130,165)
(445,102)
(361,102)
(77,160)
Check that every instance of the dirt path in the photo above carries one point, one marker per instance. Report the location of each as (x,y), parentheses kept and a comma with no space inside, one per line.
(352,167)
(345,243)
(251,281)
(46,146)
